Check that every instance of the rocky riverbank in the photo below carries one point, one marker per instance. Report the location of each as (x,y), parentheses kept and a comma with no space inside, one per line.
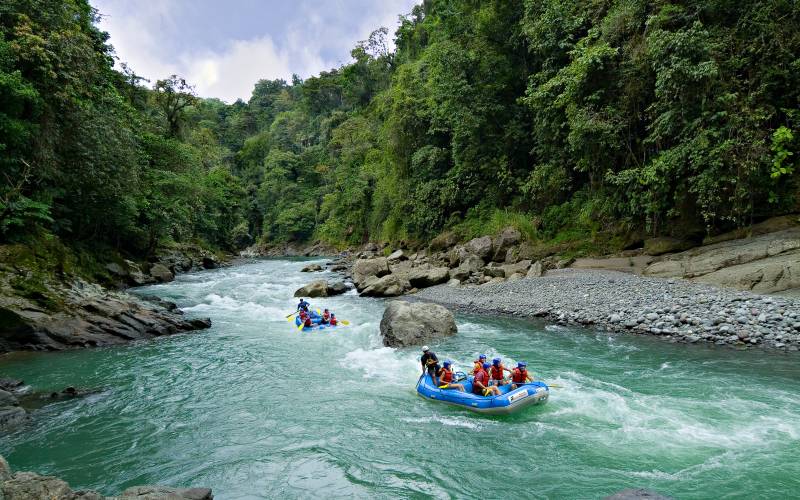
(675,309)
(31,486)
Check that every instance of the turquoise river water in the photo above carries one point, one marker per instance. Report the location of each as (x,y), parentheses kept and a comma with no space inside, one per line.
(255,409)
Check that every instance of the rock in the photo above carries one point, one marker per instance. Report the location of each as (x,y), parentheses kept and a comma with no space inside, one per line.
(8,399)
(387,286)
(209,262)
(165,493)
(442,242)
(507,238)
(405,323)
(459,274)
(30,486)
(12,416)
(651,316)
(11,384)
(453,282)
(665,244)
(397,255)
(161,273)
(637,494)
(366,268)
(494,271)
(85,315)
(520,267)
(471,264)
(482,247)
(422,278)
(536,270)
(317,288)
(5,470)
(137,277)
(336,288)
(767,263)
(116,270)
(311,268)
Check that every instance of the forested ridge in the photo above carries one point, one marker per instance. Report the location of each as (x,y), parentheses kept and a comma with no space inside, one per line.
(586,123)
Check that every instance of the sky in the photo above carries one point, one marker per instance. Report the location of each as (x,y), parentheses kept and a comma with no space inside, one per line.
(224,47)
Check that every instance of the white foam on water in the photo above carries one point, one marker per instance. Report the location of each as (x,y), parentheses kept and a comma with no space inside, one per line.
(449,421)
(385,364)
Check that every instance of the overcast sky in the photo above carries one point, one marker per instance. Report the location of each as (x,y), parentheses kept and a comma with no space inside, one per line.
(223,48)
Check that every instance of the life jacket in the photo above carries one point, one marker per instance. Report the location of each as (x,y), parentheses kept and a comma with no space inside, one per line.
(497,372)
(482,377)
(334,321)
(519,376)
(308,322)
(447,376)
(326,317)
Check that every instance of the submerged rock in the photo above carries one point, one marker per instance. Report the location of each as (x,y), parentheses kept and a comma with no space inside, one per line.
(406,323)
(311,268)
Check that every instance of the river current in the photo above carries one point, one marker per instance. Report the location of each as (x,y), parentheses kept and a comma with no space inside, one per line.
(255,409)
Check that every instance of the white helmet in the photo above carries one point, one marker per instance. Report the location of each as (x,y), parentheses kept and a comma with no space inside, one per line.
(425,348)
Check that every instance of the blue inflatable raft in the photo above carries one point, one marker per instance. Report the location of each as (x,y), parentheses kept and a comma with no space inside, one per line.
(529,394)
(316,319)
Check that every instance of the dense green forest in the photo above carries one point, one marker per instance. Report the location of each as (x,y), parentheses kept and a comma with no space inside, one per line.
(577,121)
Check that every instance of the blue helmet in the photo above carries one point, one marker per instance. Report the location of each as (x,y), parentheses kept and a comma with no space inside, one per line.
(522,364)
(496,361)
(447,363)
(482,356)
(486,365)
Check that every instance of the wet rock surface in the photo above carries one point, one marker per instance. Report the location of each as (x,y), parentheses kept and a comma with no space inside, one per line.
(415,323)
(85,315)
(32,486)
(676,310)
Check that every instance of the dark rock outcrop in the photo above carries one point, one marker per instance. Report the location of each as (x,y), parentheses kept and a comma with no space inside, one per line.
(412,323)
(84,315)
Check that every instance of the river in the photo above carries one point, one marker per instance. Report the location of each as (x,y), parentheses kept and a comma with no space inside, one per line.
(255,409)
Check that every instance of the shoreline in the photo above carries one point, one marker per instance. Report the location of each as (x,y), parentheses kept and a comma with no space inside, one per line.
(673,309)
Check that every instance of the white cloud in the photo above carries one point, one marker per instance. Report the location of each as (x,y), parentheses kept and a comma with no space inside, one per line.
(139,32)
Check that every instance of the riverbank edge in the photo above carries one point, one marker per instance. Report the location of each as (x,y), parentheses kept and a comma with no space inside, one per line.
(721,327)
(31,485)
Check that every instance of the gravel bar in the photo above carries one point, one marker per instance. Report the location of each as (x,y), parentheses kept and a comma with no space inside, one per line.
(678,310)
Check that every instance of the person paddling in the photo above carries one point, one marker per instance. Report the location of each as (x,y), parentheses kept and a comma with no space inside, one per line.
(303,305)
(333,320)
(519,375)
(480,384)
(326,317)
(497,372)
(446,377)
(430,363)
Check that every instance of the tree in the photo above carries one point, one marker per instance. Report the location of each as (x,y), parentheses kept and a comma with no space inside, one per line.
(173,95)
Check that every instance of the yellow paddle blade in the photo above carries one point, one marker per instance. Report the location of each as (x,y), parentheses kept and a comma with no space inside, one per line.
(344,322)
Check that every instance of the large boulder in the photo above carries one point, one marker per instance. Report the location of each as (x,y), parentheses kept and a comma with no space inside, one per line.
(536,270)
(311,268)
(387,286)
(666,244)
(482,247)
(161,273)
(318,288)
(366,268)
(336,288)
(406,323)
(520,267)
(422,278)
(471,263)
(507,238)
(30,486)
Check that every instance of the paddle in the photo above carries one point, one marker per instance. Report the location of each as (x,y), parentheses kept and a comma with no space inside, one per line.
(289,316)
